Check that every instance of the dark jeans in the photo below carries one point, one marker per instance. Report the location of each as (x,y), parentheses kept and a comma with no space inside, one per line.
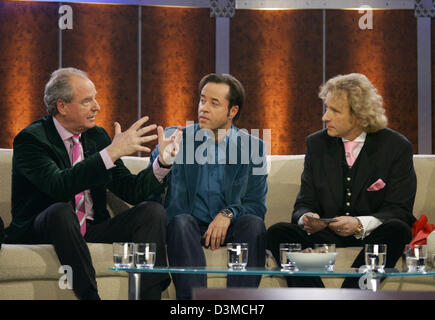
(185,249)
(394,233)
(146,222)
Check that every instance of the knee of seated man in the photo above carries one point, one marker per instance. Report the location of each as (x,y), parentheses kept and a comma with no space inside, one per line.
(180,222)
(282,228)
(61,213)
(150,210)
(253,222)
(399,228)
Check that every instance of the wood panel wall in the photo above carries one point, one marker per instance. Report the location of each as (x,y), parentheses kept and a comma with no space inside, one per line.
(433,85)
(386,54)
(276,54)
(178,49)
(28,54)
(103,42)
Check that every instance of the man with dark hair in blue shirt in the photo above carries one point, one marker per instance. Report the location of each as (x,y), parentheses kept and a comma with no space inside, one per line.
(217,189)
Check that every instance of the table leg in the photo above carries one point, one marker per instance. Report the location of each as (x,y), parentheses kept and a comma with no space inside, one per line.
(134,285)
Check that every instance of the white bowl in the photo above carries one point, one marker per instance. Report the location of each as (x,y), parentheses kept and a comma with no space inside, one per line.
(312,260)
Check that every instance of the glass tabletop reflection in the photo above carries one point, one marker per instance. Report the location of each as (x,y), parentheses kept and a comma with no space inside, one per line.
(345,272)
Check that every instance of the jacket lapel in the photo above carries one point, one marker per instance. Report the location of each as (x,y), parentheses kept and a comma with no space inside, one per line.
(54,138)
(365,164)
(334,172)
(231,170)
(191,171)
(89,145)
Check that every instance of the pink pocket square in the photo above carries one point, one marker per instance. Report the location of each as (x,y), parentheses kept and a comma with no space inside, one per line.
(378,185)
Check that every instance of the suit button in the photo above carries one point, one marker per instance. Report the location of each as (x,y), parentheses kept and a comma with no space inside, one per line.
(348,204)
(347,213)
(348,178)
(349,194)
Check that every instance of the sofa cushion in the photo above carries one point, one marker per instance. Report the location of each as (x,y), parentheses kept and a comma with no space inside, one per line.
(24,262)
(5,187)
(39,262)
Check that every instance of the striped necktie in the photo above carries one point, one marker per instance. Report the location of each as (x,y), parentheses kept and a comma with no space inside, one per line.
(80,197)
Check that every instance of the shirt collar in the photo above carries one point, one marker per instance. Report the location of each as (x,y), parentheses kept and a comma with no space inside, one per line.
(360,138)
(208,135)
(64,133)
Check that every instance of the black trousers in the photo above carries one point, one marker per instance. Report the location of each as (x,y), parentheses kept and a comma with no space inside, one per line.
(394,233)
(146,222)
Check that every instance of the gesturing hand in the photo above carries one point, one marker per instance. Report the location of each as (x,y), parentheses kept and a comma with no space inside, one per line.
(131,140)
(169,147)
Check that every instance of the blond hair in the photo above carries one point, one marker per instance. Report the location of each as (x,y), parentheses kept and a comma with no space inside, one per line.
(364,101)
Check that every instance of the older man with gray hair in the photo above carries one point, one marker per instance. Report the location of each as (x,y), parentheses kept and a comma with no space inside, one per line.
(62,166)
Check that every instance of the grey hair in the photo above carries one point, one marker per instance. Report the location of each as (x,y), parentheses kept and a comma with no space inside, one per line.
(59,88)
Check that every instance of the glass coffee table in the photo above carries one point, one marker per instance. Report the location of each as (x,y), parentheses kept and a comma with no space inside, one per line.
(368,280)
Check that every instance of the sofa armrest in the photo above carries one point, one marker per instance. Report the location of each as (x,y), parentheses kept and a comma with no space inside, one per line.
(431,248)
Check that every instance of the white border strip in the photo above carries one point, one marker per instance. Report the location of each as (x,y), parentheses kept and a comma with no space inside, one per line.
(222,45)
(424,85)
(323,59)
(258,4)
(163,3)
(139,66)
(323,4)
(60,44)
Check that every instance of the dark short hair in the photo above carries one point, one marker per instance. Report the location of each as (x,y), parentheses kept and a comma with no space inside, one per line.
(236,95)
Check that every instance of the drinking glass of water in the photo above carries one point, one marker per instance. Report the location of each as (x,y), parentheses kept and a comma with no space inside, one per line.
(123,254)
(324,247)
(144,255)
(375,256)
(284,250)
(416,256)
(237,255)
(329,250)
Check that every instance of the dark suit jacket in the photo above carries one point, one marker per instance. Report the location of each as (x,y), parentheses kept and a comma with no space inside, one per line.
(42,175)
(244,191)
(386,155)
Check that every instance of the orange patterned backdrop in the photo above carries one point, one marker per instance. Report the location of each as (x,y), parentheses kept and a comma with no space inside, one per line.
(178,48)
(433,85)
(28,53)
(281,68)
(103,42)
(276,54)
(387,55)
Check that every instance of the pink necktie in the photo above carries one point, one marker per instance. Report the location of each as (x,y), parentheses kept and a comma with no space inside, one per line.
(80,197)
(349,146)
